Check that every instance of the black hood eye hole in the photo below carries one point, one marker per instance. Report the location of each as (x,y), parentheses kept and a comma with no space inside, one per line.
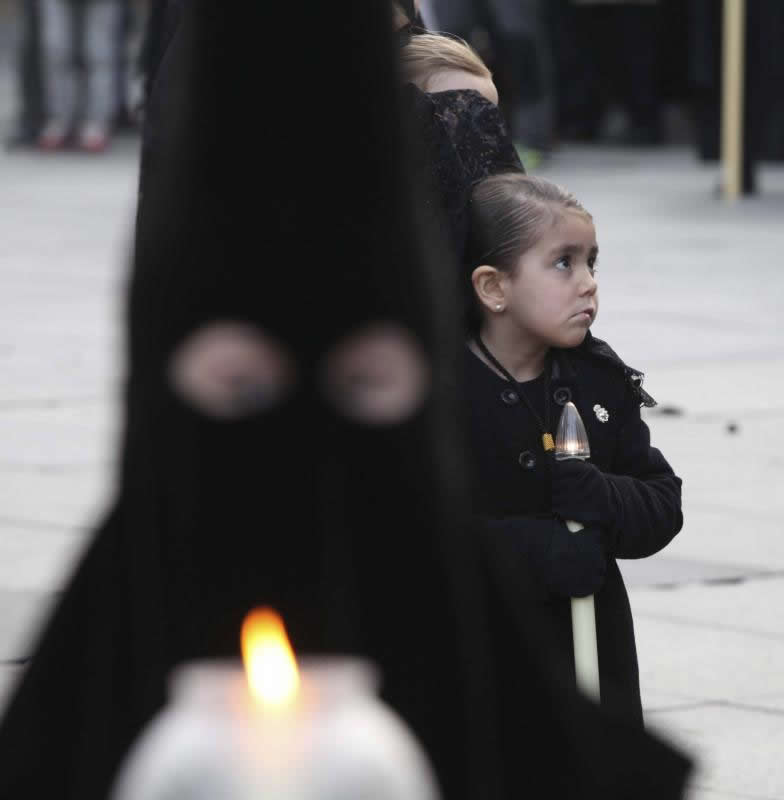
(231,369)
(377,376)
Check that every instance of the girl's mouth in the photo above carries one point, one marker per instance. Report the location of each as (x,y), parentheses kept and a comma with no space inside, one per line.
(586,314)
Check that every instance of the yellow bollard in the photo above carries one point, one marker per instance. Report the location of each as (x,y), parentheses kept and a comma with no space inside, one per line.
(733,69)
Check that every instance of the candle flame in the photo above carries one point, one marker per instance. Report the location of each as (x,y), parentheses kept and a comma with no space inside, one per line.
(270,665)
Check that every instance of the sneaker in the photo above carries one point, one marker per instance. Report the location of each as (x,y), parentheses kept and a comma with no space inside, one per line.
(93,137)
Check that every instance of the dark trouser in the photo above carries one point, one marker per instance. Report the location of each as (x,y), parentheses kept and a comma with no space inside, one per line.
(609,55)
(94,23)
(520,58)
(29,83)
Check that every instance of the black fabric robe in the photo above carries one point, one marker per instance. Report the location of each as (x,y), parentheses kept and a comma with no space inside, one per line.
(282,507)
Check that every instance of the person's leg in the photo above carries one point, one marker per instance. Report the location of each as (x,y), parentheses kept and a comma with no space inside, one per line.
(637,33)
(454,16)
(101,21)
(57,68)
(525,48)
(704,74)
(30,110)
(122,66)
(577,60)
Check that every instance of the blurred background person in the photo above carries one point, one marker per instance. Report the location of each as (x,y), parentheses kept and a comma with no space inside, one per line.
(609,70)
(126,66)
(569,70)
(74,32)
(29,90)
(513,38)
(159,26)
(523,66)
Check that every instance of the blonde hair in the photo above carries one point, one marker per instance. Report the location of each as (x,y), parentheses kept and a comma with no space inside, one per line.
(427,54)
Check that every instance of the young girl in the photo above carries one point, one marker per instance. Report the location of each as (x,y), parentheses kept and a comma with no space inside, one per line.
(532,256)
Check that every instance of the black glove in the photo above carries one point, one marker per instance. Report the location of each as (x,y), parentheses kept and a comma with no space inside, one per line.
(541,555)
(574,565)
(582,492)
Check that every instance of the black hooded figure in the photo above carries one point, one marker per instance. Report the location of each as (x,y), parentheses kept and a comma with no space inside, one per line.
(303,503)
(308,489)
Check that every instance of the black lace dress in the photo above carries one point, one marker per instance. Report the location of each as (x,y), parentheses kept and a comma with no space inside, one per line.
(460,138)
(466,140)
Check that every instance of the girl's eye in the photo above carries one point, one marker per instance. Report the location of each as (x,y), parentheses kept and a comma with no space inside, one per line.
(564,262)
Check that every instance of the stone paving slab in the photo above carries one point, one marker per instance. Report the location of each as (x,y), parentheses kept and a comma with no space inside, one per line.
(738,750)
(772,701)
(656,700)
(727,535)
(728,386)
(662,571)
(753,606)
(733,505)
(706,658)
(58,438)
(23,614)
(697,793)
(710,669)
(37,558)
(8,677)
(69,499)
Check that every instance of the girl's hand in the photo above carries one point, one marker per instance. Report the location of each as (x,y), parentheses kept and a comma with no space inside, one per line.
(580,491)
(541,554)
(575,563)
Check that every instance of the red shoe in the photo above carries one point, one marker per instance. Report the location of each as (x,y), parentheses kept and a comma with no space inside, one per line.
(53,136)
(93,137)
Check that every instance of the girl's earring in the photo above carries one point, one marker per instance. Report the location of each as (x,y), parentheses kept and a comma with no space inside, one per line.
(498,307)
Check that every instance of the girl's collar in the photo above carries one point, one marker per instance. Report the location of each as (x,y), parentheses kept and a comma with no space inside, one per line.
(592,347)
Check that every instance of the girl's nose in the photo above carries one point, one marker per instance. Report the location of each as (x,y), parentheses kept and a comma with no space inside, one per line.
(588,284)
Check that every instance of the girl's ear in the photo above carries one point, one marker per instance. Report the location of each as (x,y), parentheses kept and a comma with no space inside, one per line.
(487,282)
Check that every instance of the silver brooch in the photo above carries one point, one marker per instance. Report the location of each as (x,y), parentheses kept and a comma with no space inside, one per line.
(601,413)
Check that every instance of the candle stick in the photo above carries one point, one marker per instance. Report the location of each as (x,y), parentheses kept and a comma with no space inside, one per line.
(282,732)
(571,441)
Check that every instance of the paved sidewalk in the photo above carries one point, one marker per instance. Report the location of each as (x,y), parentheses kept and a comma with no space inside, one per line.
(65,227)
(692,293)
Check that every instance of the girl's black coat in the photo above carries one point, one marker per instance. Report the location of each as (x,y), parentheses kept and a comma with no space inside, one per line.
(513,484)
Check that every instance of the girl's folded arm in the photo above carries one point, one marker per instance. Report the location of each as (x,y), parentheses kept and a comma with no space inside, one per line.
(646,494)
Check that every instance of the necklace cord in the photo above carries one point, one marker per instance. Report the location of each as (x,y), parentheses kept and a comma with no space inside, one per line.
(547,438)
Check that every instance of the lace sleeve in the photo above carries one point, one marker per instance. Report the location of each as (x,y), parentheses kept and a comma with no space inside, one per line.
(478,133)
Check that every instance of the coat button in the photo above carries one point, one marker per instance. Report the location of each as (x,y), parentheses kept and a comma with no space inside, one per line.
(509,396)
(527,460)
(562,395)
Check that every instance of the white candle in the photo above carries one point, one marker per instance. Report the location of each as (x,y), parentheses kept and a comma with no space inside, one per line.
(328,738)
(571,441)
